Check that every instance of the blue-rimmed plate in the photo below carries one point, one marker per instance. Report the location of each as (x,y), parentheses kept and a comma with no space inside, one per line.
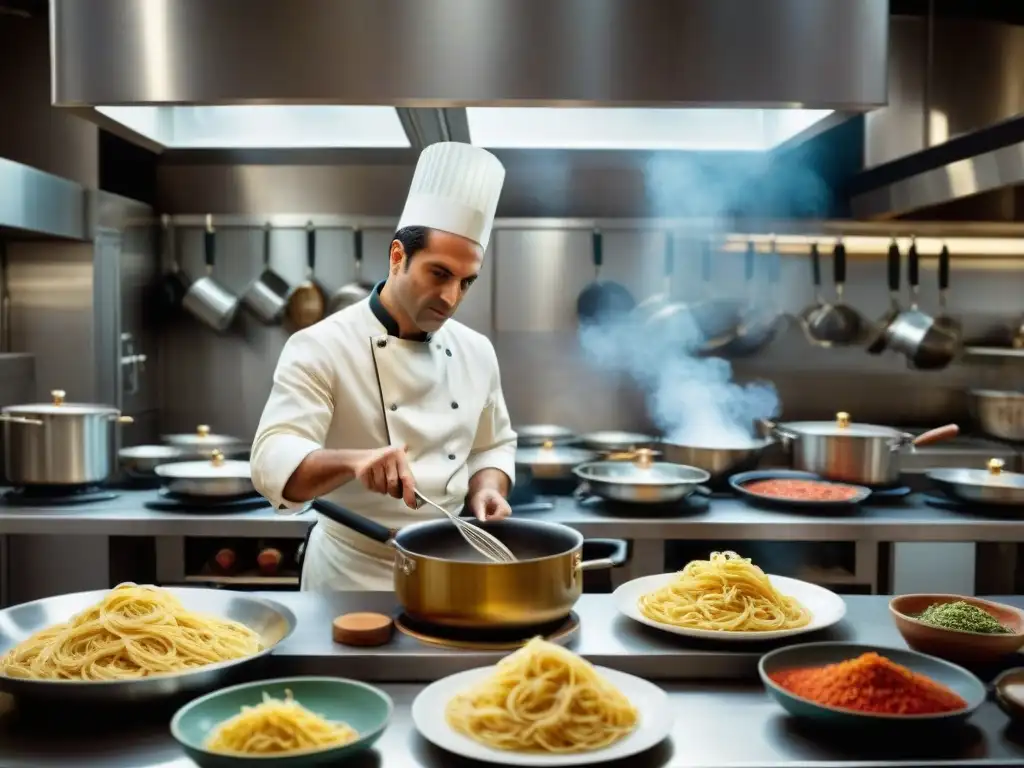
(739,481)
(957,679)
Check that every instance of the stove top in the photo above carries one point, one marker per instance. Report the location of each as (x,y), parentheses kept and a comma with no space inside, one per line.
(53,496)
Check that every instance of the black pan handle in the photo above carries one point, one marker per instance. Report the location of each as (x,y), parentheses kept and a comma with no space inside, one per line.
(266,246)
(815,266)
(357,523)
(598,246)
(893,267)
(311,247)
(944,268)
(913,266)
(618,554)
(209,245)
(357,241)
(839,263)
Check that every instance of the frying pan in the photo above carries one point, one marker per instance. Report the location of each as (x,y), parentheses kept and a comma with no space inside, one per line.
(602,300)
(170,289)
(881,340)
(306,304)
(355,291)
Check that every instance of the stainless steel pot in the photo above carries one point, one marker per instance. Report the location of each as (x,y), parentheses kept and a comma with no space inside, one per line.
(980,486)
(59,443)
(539,434)
(441,580)
(216,478)
(202,443)
(862,454)
(719,460)
(551,461)
(207,299)
(642,481)
(356,291)
(615,442)
(144,459)
(267,296)
(999,414)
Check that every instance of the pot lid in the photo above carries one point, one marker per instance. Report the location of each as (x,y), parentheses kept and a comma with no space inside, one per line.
(552,454)
(841,427)
(538,434)
(150,452)
(202,438)
(216,467)
(58,406)
(641,471)
(613,440)
(991,477)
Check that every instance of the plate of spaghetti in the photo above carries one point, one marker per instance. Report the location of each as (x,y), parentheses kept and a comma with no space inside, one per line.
(134,642)
(727,597)
(851,684)
(543,706)
(298,721)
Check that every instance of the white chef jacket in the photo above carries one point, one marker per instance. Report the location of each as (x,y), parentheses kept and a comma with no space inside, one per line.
(350,382)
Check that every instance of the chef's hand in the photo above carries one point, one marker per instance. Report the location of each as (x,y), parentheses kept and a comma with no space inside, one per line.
(386,470)
(487,504)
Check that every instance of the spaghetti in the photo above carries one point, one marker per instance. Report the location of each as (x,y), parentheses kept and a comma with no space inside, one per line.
(726,593)
(543,698)
(133,632)
(278,727)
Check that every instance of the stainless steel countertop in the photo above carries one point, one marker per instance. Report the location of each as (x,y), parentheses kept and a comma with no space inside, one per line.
(913,520)
(716,726)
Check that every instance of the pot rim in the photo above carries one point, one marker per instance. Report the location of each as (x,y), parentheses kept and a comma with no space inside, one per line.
(699,476)
(541,524)
(856,430)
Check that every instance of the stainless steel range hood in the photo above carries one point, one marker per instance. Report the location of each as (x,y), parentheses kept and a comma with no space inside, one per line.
(396,73)
(34,205)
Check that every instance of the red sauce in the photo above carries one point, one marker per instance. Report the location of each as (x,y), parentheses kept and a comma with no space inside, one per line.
(802,490)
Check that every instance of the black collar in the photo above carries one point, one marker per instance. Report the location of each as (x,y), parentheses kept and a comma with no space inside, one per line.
(385,318)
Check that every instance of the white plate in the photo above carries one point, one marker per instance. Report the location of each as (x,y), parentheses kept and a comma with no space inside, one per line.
(826,607)
(651,702)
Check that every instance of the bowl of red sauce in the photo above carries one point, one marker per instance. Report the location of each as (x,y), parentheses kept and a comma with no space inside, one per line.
(853,684)
(788,488)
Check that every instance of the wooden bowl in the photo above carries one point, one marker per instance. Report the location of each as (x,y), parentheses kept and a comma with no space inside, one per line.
(953,644)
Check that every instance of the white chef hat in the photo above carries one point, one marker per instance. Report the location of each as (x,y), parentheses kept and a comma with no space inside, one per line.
(455,189)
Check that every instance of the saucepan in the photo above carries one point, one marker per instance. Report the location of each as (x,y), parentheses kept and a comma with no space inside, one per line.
(862,454)
(641,481)
(980,486)
(441,580)
(215,478)
(720,459)
(999,413)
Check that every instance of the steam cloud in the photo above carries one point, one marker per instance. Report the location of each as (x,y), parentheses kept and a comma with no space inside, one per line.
(695,400)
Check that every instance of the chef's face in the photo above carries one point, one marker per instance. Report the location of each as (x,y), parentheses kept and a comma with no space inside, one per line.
(431,283)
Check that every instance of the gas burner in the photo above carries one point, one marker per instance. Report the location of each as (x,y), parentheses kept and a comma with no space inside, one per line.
(560,631)
(57,496)
(1001,511)
(170,502)
(888,495)
(134,482)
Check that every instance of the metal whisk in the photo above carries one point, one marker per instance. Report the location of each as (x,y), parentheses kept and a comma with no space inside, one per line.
(480,540)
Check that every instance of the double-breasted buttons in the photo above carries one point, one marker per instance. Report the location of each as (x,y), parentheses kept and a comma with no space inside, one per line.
(394,406)
(454,405)
(382,343)
(451,456)
(448,352)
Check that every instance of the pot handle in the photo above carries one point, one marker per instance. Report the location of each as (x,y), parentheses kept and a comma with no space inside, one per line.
(122,419)
(357,523)
(777,431)
(21,420)
(582,493)
(619,555)
(702,490)
(937,435)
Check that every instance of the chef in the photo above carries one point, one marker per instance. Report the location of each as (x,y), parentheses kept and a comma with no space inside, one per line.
(391,395)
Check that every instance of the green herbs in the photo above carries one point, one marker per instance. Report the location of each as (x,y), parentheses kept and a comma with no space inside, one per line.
(963,617)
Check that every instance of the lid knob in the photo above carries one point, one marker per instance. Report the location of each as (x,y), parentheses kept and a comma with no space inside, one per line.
(216,458)
(203,430)
(995,466)
(547,445)
(842,420)
(644,457)
(58,396)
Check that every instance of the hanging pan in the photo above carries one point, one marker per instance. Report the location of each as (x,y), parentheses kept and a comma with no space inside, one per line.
(602,301)
(306,304)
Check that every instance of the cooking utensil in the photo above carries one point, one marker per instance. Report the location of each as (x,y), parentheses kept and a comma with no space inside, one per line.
(144,459)
(862,454)
(539,434)
(718,460)
(838,323)
(914,333)
(306,304)
(762,317)
(944,320)
(479,539)
(218,477)
(267,296)
(552,461)
(879,337)
(359,289)
(441,580)
(980,486)
(615,442)
(206,299)
(646,308)
(957,645)
(807,315)
(642,481)
(59,443)
(170,289)
(602,301)
(999,414)
(739,481)
(202,443)
(272,621)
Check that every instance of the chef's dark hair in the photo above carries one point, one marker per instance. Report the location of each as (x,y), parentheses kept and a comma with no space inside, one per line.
(413,240)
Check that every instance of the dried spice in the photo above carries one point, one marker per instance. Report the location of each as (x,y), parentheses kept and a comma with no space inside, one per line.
(964,617)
